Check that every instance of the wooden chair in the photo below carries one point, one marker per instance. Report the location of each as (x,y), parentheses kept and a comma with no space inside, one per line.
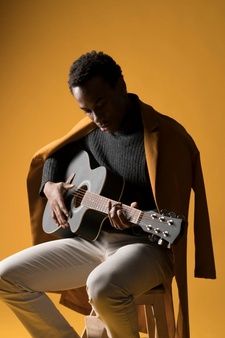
(157,307)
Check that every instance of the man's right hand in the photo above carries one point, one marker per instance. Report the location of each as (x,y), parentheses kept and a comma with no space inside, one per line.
(55,195)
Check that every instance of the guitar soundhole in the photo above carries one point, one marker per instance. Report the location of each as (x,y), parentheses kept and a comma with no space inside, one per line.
(78,196)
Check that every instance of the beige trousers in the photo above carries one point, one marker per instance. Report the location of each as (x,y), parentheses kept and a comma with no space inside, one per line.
(115,268)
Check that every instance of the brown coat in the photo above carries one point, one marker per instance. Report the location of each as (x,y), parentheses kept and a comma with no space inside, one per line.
(174,168)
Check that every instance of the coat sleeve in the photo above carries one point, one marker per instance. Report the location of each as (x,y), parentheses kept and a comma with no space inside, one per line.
(204,257)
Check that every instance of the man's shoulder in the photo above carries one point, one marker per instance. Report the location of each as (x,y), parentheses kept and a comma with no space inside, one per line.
(82,128)
(162,119)
(167,125)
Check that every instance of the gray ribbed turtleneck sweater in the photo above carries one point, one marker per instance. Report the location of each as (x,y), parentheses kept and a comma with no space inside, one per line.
(121,152)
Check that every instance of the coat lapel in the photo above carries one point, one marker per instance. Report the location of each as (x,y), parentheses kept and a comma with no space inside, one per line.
(151,136)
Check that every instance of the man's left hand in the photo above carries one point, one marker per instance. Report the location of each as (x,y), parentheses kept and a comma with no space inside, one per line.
(118,217)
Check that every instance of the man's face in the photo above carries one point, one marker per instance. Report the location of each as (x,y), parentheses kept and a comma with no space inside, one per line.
(103,103)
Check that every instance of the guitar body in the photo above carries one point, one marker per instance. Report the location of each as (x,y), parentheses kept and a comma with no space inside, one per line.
(83,221)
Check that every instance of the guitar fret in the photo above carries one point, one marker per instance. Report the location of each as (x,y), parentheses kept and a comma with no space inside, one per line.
(100,203)
(133,214)
(96,202)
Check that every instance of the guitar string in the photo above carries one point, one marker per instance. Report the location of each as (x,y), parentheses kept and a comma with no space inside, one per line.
(144,216)
(101,202)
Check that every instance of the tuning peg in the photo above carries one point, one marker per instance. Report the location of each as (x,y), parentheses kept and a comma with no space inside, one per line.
(160,241)
(165,233)
(149,227)
(170,222)
(164,212)
(157,230)
(172,214)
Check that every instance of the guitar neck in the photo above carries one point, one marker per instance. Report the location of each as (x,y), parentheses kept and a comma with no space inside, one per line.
(100,203)
(166,228)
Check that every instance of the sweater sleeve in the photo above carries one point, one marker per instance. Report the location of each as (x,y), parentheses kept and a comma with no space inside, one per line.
(55,166)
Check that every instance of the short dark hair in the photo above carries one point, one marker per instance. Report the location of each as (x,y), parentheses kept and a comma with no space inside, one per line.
(94,64)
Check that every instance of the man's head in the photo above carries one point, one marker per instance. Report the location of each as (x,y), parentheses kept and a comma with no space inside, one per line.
(97,84)
(94,64)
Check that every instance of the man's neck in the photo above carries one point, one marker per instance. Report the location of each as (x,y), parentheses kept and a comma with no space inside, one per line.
(132,118)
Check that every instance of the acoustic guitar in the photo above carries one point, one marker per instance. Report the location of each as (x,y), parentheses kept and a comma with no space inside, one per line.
(88,204)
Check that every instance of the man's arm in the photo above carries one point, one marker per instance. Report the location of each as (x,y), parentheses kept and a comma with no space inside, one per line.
(53,185)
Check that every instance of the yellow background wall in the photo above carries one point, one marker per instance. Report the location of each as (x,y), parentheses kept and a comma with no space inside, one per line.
(172,54)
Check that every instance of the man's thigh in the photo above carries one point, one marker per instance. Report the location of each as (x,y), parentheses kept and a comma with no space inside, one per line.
(135,268)
(56,265)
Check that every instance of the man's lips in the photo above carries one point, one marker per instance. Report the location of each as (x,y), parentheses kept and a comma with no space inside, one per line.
(103,126)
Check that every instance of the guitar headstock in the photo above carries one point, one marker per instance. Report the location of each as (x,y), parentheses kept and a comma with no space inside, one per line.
(166,226)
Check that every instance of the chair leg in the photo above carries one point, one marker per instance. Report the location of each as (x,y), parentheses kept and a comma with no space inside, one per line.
(168,303)
(160,317)
(150,321)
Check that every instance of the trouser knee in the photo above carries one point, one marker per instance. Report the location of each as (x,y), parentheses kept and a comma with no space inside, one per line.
(7,280)
(97,289)
(103,292)
(3,278)
(5,287)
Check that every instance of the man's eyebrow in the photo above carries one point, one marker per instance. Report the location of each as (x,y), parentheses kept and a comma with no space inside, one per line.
(96,102)
(84,108)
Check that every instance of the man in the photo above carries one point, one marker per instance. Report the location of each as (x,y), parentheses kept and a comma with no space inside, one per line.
(159,163)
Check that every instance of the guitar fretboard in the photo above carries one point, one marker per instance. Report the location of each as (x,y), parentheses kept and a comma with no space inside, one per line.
(101,204)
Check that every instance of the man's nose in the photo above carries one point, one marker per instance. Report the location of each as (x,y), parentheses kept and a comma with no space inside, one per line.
(97,116)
